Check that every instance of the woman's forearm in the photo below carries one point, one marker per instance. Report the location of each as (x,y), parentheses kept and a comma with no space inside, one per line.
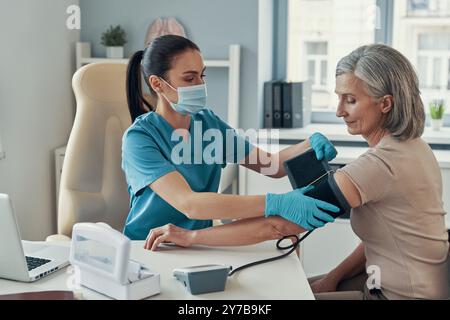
(354,264)
(175,190)
(208,205)
(238,233)
(245,232)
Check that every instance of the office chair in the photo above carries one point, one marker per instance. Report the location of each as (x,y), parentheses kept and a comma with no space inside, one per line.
(93,186)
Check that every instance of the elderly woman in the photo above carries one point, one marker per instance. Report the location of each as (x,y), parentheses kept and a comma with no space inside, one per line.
(395,190)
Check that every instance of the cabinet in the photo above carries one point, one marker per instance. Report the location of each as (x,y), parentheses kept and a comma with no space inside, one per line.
(325,248)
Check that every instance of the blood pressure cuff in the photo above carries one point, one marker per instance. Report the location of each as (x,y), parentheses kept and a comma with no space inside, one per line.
(305,170)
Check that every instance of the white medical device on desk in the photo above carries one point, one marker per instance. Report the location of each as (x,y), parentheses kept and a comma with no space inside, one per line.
(102,255)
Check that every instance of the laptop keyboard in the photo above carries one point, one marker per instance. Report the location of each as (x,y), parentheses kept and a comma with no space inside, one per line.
(34,263)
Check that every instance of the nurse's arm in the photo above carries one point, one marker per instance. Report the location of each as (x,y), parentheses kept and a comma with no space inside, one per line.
(175,190)
(272,164)
(251,231)
(237,233)
(255,230)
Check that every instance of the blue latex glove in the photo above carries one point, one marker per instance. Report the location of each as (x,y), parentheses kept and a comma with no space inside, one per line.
(322,146)
(300,209)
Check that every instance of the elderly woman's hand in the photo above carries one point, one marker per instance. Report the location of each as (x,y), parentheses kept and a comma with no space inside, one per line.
(322,146)
(168,233)
(325,284)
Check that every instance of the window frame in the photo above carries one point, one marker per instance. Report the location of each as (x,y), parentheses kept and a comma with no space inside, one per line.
(409,46)
(318,59)
(384,34)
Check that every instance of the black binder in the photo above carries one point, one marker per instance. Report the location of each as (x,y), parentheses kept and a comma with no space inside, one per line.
(277,105)
(287,104)
(268,103)
(296,104)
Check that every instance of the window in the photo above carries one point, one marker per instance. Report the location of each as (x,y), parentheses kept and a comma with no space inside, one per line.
(317,57)
(417,7)
(422,33)
(320,32)
(433,54)
(428,8)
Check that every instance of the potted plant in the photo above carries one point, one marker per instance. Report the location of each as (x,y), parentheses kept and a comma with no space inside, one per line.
(437,114)
(114,39)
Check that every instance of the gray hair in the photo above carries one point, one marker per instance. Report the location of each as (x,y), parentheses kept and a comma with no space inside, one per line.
(385,71)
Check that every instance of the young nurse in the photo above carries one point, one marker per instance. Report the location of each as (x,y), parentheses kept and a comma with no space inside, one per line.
(172,185)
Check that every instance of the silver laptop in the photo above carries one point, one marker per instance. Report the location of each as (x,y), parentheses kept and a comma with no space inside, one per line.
(25,261)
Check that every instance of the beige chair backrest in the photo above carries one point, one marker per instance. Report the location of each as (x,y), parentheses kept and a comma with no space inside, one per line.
(93,186)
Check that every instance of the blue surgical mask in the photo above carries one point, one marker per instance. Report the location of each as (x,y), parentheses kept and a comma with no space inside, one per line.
(191,100)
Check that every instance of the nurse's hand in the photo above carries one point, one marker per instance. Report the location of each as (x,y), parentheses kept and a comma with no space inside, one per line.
(322,146)
(168,233)
(298,208)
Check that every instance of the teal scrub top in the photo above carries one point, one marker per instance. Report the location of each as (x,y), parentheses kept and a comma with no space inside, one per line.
(147,156)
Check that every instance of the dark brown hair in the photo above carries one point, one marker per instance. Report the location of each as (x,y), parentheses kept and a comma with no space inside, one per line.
(156,60)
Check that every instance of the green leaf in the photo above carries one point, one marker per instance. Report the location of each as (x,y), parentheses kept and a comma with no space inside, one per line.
(437,109)
(114,37)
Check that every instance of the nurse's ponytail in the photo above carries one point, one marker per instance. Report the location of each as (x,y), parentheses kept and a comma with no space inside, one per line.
(155,60)
(135,97)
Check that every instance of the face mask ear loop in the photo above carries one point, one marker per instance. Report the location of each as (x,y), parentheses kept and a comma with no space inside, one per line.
(168,84)
(165,97)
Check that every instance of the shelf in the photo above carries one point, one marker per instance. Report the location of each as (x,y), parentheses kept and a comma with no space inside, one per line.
(338,132)
(217,63)
(84,57)
(99,60)
(208,63)
(347,154)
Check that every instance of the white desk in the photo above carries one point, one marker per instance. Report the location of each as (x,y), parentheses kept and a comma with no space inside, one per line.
(280,280)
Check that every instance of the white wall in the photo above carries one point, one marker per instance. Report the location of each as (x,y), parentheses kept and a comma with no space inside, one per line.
(36,105)
(212,24)
(37,63)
